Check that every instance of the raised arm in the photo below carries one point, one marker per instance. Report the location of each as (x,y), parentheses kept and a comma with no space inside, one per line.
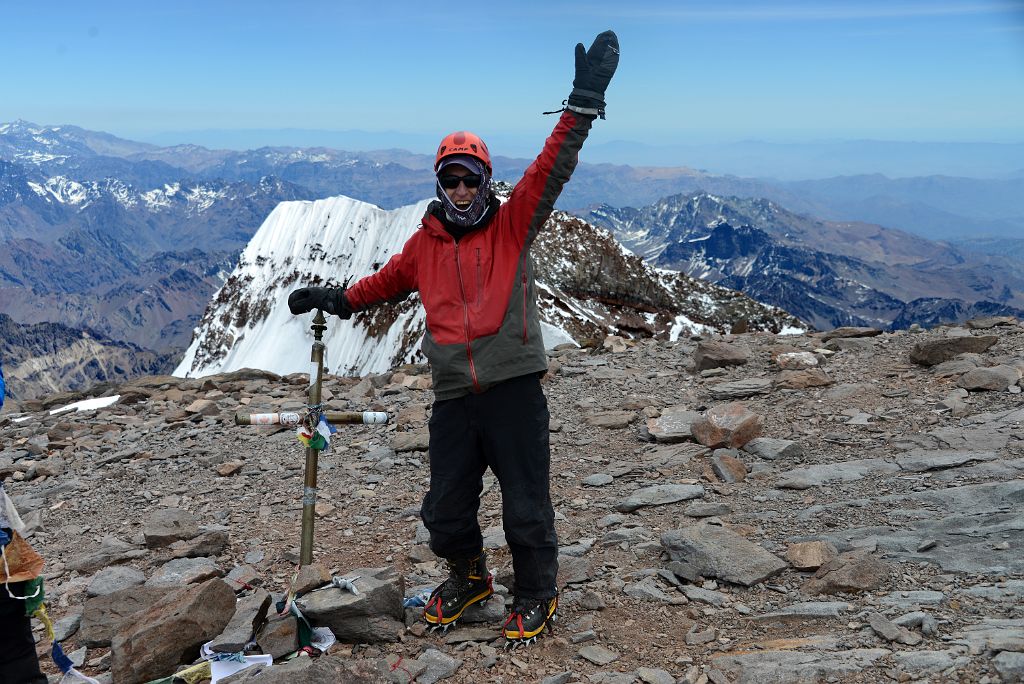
(535,194)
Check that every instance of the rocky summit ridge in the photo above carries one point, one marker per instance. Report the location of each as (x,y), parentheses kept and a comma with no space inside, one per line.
(837,507)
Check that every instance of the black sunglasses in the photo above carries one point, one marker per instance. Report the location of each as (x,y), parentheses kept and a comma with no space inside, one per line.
(450,182)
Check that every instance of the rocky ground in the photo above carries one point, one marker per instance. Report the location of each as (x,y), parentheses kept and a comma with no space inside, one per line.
(839,508)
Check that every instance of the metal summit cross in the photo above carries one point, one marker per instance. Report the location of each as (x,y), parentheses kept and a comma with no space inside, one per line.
(312,421)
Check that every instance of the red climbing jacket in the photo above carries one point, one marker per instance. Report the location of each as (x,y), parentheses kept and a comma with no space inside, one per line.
(479,293)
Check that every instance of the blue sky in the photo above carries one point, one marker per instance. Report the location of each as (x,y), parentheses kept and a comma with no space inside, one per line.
(691,72)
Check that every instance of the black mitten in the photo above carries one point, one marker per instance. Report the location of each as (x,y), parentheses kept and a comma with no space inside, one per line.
(328,299)
(594,69)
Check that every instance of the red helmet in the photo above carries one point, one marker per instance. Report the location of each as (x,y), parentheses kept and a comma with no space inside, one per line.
(463,142)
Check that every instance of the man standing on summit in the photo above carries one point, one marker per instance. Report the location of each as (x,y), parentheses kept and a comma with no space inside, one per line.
(470,263)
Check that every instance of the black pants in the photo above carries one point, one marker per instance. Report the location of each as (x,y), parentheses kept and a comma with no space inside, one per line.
(18,661)
(505,428)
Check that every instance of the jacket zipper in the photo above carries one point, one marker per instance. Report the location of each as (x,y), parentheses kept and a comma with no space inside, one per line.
(479,279)
(523,268)
(465,320)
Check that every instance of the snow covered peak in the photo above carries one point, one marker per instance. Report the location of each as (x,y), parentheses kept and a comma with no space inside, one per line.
(588,285)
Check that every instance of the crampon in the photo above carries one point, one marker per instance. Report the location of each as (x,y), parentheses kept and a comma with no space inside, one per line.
(527,620)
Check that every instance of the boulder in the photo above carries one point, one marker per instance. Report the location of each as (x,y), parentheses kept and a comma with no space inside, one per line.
(850,331)
(279,636)
(810,555)
(659,495)
(250,612)
(728,425)
(114,578)
(181,571)
(373,615)
(103,616)
(993,378)
(715,551)
(673,425)
(155,641)
(934,352)
(719,355)
(772,449)
(168,525)
(802,379)
(850,573)
(740,389)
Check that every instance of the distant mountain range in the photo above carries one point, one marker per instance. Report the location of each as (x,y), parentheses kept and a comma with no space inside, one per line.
(827,273)
(131,240)
(933,206)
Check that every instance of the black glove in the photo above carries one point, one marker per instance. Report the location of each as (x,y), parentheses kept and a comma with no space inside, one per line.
(594,69)
(328,299)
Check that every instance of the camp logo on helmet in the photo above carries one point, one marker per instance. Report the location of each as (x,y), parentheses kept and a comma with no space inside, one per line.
(463,142)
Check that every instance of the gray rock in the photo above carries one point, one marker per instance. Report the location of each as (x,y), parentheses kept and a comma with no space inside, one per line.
(250,612)
(701,509)
(850,331)
(111,552)
(209,543)
(993,378)
(279,636)
(598,655)
(772,449)
(66,627)
(717,552)
(928,625)
(114,578)
(654,676)
(373,615)
(921,460)
(995,634)
(171,631)
(168,525)
(740,389)
(699,595)
(957,366)
(771,667)
(696,638)
(103,616)
(181,571)
(574,570)
(933,352)
(683,570)
(673,425)
(883,627)
(927,662)
(323,670)
(612,420)
(598,480)
(850,344)
(438,666)
(1010,666)
(659,495)
(920,597)
(986,322)
(418,440)
(810,610)
(646,589)
(715,354)
(850,572)
(560,678)
(845,471)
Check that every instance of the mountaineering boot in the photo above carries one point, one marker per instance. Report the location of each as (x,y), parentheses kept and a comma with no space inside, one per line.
(528,618)
(468,583)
